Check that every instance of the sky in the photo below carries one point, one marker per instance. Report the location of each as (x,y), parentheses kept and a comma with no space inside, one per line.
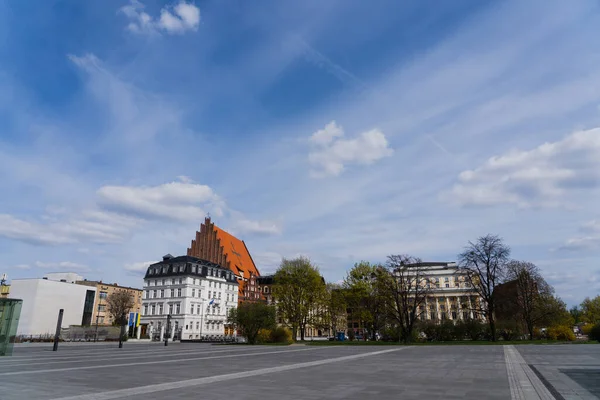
(342,130)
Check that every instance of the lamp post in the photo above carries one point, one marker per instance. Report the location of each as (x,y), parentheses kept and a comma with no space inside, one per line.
(97,318)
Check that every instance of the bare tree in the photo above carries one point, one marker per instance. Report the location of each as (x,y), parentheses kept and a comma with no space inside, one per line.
(532,294)
(119,304)
(405,288)
(484,263)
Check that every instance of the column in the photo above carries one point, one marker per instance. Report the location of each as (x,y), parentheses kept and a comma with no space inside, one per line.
(138,332)
(470,307)
(437,309)
(162,333)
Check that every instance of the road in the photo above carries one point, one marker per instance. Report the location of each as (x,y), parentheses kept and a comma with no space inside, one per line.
(190,371)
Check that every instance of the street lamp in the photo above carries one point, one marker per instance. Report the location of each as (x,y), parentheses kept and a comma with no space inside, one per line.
(97,317)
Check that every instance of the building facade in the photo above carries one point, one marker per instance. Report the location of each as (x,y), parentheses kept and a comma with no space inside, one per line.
(100,314)
(217,246)
(42,300)
(196,293)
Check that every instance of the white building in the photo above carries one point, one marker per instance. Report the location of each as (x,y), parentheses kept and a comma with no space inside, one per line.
(42,300)
(451,296)
(196,293)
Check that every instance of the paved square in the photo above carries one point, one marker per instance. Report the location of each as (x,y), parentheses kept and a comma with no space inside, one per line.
(190,371)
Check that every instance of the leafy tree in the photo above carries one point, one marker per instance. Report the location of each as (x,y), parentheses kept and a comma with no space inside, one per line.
(297,288)
(590,310)
(252,318)
(404,287)
(363,296)
(576,314)
(330,310)
(484,263)
(118,305)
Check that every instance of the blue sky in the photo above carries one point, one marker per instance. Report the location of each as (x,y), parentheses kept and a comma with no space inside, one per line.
(340,130)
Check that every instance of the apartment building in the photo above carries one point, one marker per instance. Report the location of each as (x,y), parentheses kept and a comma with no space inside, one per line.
(100,314)
(196,293)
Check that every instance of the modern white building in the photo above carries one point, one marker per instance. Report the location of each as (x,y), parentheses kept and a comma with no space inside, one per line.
(196,293)
(42,300)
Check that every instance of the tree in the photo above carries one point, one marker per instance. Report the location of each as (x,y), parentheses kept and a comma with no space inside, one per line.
(330,309)
(363,297)
(118,304)
(533,297)
(576,314)
(404,288)
(484,263)
(250,318)
(297,285)
(590,310)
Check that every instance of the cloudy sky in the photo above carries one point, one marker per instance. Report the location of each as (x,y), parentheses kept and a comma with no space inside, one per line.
(338,129)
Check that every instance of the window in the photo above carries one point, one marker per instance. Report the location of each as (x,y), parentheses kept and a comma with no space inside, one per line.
(219,285)
(152,309)
(219,295)
(180,281)
(177,308)
(162,293)
(101,308)
(154,296)
(194,281)
(172,292)
(453,314)
(447,285)
(101,320)
(227,296)
(198,309)
(170,308)
(173,281)
(193,292)
(187,327)
(164,281)
(160,309)
(446,279)
(103,295)
(179,292)
(197,325)
(432,315)
(209,283)
(145,312)
(192,309)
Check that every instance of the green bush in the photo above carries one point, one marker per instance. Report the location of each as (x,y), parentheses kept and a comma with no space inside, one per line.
(351,334)
(264,336)
(594,333)
(475,330)
(281,335)
(586,329)
(445,331)
(561,332)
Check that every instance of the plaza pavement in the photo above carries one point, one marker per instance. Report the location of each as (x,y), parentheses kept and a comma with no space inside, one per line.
(192,371)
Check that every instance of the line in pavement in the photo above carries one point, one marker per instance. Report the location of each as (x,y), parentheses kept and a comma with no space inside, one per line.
(523,382)
(75,352)
(115,394)
(126,357)
(145,363)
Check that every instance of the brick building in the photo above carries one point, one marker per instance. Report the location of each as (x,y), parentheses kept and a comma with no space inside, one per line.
(222,248)
(100,314)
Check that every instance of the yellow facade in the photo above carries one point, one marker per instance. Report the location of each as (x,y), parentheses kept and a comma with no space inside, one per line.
(101,316)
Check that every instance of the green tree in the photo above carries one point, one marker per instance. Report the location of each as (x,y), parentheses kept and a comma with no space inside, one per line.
(576,314)
(297,288)
(590,310)
(485,262)
(330,309)
(251,318)
(363,297)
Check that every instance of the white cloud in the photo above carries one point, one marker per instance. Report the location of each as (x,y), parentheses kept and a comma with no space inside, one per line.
(175,200)
(588,240)
(94,226)
(176,19)
(63,265)
(538,177)
(141,266)
(243,225)
(331,152)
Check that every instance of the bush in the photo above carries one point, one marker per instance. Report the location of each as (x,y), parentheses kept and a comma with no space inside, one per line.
(475,330)
(561,332)
(281,335)
(586,329)
(264,335)
(351,334)
(509,330)
(594,333)
(445,331)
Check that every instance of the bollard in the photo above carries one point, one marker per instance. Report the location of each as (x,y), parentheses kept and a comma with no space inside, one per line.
(58,326)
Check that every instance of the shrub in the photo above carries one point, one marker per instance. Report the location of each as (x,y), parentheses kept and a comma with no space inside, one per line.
(391,334)
(595,332)
(509,330)
(561,332)
(351,334)
(445,331)
(429,328)
(586,329)
(264,335)
(281,335)
(475,330)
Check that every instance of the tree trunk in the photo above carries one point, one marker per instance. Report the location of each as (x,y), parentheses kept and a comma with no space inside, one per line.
(493,327)
(302,331)
(294,333)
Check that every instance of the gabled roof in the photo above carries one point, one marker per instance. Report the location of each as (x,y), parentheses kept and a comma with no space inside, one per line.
(216,245)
